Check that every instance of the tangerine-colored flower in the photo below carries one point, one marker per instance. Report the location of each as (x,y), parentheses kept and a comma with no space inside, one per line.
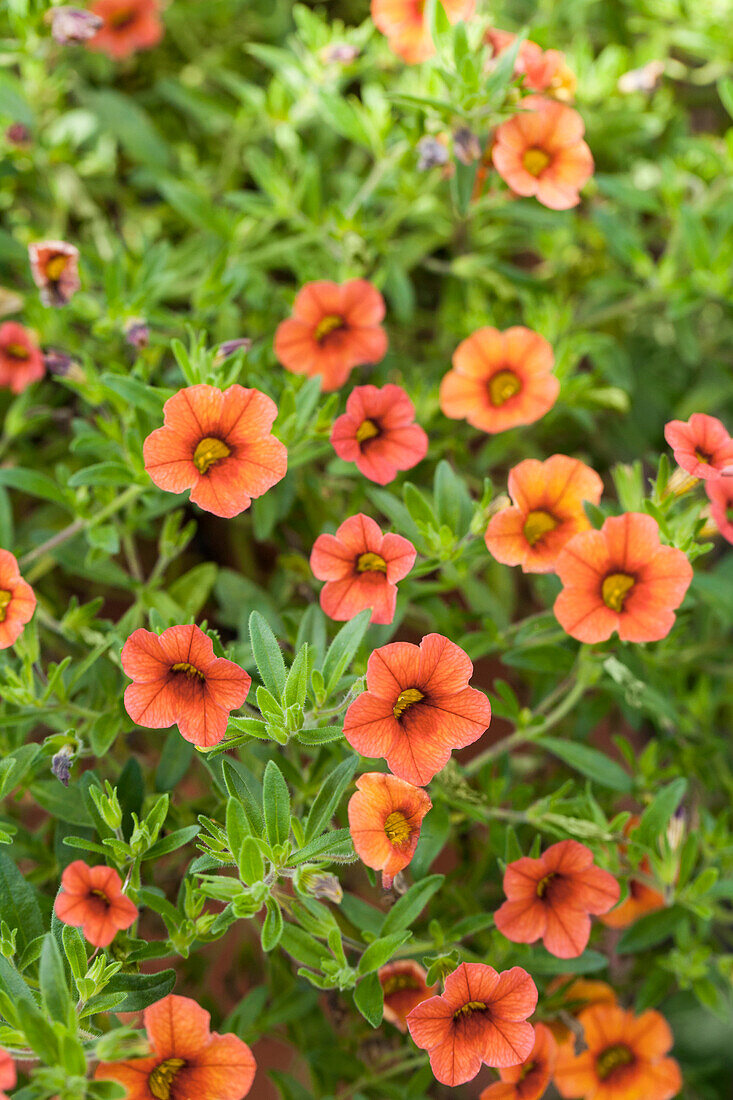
(385,816)
(21,360)
(333,329)
(128,26)
(17,600)
(625,1060)
(500,380)
(8,1074)
(219,445)
(543,70)
(528,1081)
(641,898)
(178,680)
(92,899)
(620,578)
(361,567)
(55,271)
(378,432)
(481,1017)
(417,708)
(720,495)
(701,445)
(551,898)
(541,152)
(188,1059)
(403,24)
(404,987)
(577,995)
(547,511)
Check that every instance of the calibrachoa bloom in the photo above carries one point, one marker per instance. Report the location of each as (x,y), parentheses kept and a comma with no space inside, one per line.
(481,1017)
(333,329)
(701,445)
(21,360)
(528,1081)
(385,816)
(541,152)
(378,432)
(92,899)
(547,511)
(17,600)
(625,1060)
(543,70)
(128,26)
(8,1074)
(219,445)
(55,270)
(403,24)
(551,898)
(177,679)
(361,567)
(720,495)
(500,380)
(578,994)
(188,1060)
(641,898)
(404,987)
(417,708)
(620,578)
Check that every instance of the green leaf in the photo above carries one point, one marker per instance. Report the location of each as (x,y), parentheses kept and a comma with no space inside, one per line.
(656,816)
(381,951)
(336,844)
(296,685)
(250,862)
(725,91)
(136,393)
(369,999)
(101,473)
(141,990)
(19,906)
(120,116)
(238,787)
(302,947)
(15,766)
(75,950)
(32,483)
(322,736)
(267,655)
(596,765)
(343,648)
(272,927)
(452,499)
(650,930)
(329,796)
(276,804)
(54,991)
(407,908)
(172,842)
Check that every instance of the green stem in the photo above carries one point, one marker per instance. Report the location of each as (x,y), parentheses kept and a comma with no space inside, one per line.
(80,525)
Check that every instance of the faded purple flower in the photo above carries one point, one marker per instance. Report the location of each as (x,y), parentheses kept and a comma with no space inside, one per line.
(61,764)
(69,25)
(466,146)
(55,270)
(137,334)
(18,134)
(340,53)
(230,346)
(432,153)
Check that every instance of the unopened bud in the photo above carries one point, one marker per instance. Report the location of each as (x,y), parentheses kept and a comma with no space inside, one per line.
(230,346)
(61,764)
(466,146)
(432,153)
(137,334)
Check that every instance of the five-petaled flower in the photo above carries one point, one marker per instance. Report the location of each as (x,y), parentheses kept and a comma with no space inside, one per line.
(625,1058)
(417,708)
(547,511)
(188,1060)
(8,1074)
(481,1017)
(551,898)
(543,70)
(178,680)
(219,445)
(528,1081)
(720,495)
(92,899)
(55,270)
(385,816)
(333,329)
(21,360)
(500,380)
(620,578)
(403,24)
(361,568)
(17,600)
(378,432)
(128,26)
(701,445)
(541,152)
(404,987)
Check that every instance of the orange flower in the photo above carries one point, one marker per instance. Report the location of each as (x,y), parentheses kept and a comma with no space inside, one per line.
(641,898)
(548,510)
(55,271)
(333,329)
(17,600)
(8,1075)
(529,1080)
(129,26)
(385,816)
(404,987)
(578,994)
(480,1018)
(500,379)
(417,708)
(21,361)
(361,567)
(720,495)
(625,1059)
(620,578)
(701,445)
(177,679)
(541,152)
(403,24)
(543,70)
(551,898)
(219,446)
(92,899)
(188,1060)
(378,432)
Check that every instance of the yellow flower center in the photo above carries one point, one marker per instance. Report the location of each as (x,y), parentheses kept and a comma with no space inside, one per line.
(366,430)
(55,267)
(702,457)
(405,700)
(328,325)
(161,1079)
(535,161)
(371,563)
(469,1008)
(544,884)
(526,1069)
(537,525)
(5,598)
(188,670)
(615,589)
(613,1058)
(397,982)
(502,386)
(208,452)
(17,351)
(121,19)
(397,828)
